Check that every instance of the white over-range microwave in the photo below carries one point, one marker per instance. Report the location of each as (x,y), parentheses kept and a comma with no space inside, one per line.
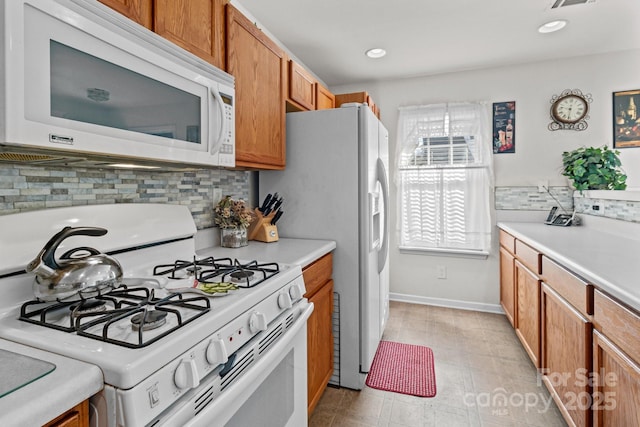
(80,82)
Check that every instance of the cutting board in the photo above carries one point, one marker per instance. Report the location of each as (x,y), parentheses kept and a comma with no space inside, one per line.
(17,370)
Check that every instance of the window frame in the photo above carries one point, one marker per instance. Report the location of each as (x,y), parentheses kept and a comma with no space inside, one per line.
(430,165)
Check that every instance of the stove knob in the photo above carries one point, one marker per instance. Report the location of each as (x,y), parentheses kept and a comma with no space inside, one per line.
(186,374)
(257,322)
(295,292)
(284,300)
(216,352)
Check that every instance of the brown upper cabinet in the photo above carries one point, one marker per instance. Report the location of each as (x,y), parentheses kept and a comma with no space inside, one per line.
(305,92)
(195,25)
(140,11)
(324,98)
(259,67)
(302,87)
(361,97)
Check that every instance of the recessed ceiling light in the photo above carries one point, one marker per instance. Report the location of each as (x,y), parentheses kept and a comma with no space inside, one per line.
(376,53)
(552,26)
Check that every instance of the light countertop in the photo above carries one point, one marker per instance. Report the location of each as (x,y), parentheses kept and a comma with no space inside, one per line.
(610,261)
(42,400)
(289,251)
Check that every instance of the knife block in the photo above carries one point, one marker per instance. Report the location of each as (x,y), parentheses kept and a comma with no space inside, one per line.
(261,229)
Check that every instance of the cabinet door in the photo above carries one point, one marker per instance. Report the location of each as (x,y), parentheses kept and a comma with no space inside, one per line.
(194,25)
(566,357)
(259,67)
(507,285)
(319,344)
(528,311)
(77,416)
(139,11)
(616,393)
(302,86)
(324,98)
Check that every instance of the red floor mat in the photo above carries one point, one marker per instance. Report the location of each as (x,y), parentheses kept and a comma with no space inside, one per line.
(403,368)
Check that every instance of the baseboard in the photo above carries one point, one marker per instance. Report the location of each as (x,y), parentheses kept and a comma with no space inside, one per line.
(450,303)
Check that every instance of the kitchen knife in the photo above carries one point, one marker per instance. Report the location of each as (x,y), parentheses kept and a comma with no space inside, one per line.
(265,203)
(269,208)
(276,217)
(277,204)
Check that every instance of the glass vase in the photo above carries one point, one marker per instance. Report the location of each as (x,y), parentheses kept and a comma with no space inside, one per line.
(233,237)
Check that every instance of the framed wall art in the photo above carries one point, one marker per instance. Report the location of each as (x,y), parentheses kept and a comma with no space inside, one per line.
(504,127)
(626,119)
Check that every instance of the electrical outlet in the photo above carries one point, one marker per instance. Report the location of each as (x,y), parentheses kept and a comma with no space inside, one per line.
(442,272)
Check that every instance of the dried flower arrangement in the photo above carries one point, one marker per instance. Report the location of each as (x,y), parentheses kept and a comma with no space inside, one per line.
(231,213)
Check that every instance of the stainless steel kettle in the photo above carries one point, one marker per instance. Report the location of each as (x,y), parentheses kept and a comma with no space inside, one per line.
(73,276)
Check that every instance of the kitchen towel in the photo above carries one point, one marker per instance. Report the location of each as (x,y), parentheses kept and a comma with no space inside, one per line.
(403,368)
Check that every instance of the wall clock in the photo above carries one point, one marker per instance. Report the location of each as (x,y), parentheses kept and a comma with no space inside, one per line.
(570,110)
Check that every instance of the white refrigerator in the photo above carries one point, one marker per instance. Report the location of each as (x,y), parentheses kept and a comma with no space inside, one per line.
(335,187)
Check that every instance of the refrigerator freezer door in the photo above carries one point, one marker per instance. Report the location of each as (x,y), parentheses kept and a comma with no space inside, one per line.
(370,241)
(383,258)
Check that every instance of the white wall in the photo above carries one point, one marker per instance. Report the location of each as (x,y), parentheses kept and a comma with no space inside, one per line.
(537,157)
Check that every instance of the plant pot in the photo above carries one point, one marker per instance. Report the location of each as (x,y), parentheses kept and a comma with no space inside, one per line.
(233,237)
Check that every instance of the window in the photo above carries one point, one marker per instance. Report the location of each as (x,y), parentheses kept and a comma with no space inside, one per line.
(445,178)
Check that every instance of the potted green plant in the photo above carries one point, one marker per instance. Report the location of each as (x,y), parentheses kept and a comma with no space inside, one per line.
(594,168)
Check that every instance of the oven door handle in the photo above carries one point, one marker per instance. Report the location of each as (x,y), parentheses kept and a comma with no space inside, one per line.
(247,384)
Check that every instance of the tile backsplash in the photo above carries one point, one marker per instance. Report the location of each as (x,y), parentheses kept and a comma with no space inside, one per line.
(24,188)
(529,198)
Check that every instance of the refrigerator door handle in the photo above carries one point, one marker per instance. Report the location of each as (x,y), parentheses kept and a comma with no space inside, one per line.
(384,246)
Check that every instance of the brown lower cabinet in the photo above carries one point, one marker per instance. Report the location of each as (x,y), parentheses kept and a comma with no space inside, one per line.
(319,285)
(588,342)
(528,310)
(507,285)
(616,359)
(566,357)
(78,416)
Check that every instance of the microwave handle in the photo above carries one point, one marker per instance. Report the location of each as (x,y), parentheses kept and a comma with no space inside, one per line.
(223,123)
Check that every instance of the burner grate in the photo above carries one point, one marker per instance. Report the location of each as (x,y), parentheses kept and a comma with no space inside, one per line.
(245,275)
(100,327)
(173,271)
(61,315)
(121,304)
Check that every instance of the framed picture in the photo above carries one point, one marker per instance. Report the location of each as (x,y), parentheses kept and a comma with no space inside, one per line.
(504,127)
(626,119)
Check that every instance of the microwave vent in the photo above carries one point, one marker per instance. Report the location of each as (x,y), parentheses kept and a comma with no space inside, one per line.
(28,158)
(563,3)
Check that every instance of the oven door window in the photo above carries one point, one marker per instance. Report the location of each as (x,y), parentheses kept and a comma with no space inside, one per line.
(88,89)
(279,383)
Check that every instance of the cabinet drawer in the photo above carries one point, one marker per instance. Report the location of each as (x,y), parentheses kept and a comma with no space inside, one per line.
(528,256)
(575,290)
(317,274)
(618,323)
(507,241)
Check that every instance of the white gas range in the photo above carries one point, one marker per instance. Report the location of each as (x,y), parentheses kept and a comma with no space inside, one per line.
(197,359)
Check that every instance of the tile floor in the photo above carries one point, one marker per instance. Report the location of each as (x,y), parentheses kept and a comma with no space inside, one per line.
(479,364)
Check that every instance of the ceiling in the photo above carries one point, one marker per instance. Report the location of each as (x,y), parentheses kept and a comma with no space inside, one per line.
(426,37)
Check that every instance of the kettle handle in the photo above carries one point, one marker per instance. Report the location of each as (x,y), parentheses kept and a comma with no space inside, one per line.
(47,254)
(71,252)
